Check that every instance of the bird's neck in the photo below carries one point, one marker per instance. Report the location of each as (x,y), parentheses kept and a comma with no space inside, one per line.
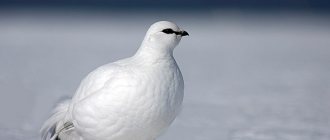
(153,52)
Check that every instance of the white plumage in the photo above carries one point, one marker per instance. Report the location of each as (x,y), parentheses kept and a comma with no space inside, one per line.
(135,98)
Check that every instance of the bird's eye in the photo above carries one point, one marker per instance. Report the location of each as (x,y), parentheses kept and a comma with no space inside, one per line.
(168,31)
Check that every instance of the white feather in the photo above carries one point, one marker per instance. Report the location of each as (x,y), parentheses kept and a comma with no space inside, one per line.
(49,127)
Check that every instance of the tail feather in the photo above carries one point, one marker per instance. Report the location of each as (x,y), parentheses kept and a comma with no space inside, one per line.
(48,130)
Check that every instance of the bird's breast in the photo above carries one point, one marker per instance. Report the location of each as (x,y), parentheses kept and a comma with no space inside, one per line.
(159,96)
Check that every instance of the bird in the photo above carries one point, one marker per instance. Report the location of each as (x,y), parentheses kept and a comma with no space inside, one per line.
(135,98)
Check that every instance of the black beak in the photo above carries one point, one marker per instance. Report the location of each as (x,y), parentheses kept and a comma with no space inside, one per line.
(184,33)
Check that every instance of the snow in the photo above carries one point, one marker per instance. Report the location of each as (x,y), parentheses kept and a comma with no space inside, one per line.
(248,75)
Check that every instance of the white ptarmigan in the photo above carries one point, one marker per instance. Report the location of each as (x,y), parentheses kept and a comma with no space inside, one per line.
(135,98)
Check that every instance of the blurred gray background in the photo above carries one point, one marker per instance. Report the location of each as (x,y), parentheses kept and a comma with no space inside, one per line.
(254,70)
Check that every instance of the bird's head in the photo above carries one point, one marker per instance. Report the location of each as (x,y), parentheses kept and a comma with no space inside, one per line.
(164,34)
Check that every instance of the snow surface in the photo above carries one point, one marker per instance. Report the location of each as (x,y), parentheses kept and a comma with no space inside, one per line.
(248,76)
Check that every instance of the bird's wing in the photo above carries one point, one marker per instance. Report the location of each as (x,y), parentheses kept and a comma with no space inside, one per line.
(95,80)
(106,105)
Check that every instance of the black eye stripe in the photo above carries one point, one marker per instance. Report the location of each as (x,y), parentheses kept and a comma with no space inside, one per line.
(168,31)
